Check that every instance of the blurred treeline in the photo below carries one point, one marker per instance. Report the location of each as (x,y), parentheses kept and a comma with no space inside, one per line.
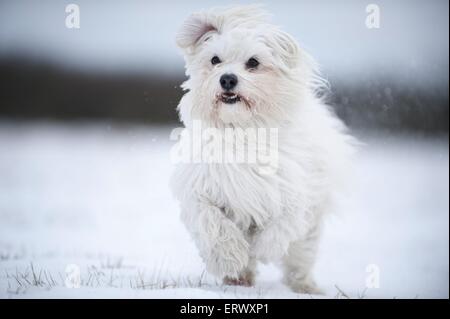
(35,90)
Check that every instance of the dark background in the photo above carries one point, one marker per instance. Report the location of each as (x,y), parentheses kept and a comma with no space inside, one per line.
(33,90)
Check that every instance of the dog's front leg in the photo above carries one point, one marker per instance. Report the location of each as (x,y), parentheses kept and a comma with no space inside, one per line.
(272,242)
(221,243)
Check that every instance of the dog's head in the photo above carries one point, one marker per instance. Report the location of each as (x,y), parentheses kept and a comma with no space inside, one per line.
(242,70)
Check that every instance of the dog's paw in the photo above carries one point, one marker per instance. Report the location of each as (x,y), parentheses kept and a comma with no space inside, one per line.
(241,281)
(228,258)
(305,286)
(270,245)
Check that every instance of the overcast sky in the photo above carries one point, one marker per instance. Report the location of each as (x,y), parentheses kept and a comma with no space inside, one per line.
(412,40)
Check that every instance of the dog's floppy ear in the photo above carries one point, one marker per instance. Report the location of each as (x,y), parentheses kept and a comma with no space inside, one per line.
(195,26)
(285,47)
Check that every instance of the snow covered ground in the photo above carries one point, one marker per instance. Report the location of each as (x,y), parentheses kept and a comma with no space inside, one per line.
(94,198)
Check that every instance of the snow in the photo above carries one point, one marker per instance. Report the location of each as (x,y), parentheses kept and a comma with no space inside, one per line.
(96,195)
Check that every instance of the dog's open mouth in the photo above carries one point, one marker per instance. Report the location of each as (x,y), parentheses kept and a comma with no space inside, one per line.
(229,98)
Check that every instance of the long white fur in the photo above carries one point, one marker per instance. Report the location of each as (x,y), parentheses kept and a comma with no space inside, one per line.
(235,214)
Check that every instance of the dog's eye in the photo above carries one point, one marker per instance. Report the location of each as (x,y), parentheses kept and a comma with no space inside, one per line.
(215,60)
(252,63)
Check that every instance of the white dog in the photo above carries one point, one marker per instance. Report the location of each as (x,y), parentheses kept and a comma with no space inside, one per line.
(246,73)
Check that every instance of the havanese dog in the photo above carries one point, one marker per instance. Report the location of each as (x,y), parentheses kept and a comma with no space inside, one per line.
(260,98)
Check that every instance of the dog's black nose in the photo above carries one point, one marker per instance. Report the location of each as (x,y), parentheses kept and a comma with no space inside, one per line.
(228,81)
